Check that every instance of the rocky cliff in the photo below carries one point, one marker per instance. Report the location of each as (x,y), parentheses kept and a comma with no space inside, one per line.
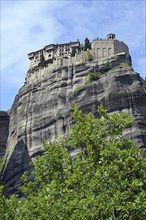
(4,131)
(42,108)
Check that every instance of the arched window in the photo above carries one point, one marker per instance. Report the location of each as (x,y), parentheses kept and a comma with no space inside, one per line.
(98,52)
(103,52)
(109,51)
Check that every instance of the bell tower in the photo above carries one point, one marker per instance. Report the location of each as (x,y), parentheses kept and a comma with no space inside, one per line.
(111,36)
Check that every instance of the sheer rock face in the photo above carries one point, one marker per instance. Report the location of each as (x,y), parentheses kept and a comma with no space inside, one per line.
(42,110)
(4,131)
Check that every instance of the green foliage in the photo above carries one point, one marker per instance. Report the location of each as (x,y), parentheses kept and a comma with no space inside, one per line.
(121,65)
(9,207)
(87,44)
(105,68)
(103,178)
(88,55)
(93,76)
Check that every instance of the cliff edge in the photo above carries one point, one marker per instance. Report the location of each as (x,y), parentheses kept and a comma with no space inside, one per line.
(42,108)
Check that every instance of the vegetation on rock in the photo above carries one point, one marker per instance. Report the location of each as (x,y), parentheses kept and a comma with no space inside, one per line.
(121,65)
(105,68)
(104,177)
(88,55)
(93,76)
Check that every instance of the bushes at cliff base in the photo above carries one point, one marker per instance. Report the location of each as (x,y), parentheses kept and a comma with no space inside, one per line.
(102,176)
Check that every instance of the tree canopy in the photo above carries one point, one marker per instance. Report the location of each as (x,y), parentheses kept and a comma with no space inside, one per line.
(87,43)
(101,177)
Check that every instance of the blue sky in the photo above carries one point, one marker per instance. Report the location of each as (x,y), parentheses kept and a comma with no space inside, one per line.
(29,25)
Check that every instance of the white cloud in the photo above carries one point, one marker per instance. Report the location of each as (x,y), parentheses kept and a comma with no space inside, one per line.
(30,25)
(19,31)
(25,27)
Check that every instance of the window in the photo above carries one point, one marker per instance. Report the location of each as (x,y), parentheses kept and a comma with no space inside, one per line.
(109,51)
(103,52)
(98,52)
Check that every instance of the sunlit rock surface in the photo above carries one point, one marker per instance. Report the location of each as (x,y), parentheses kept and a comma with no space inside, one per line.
(42,109)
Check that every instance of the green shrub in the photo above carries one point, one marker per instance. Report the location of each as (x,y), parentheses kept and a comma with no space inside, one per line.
(121,65)
(93,76)
(105,68)
(88,55)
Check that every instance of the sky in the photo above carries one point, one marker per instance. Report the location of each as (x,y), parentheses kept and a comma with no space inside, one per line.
(29,25)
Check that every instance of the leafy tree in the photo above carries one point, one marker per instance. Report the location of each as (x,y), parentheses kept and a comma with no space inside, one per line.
(102,177)
(8,206)
(87,44)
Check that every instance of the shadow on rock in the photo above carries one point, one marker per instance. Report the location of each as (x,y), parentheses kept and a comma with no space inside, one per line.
(18,163)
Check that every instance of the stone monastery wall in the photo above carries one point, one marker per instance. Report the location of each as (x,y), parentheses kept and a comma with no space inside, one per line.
(58,55)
